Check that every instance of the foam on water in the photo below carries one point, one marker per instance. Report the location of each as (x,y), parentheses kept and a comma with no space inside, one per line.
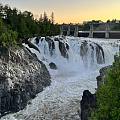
(60,101)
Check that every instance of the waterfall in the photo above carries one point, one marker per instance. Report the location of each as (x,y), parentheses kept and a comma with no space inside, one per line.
(78,61)
(75,53)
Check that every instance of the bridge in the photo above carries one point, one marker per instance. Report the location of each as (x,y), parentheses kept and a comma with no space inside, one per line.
(103,30)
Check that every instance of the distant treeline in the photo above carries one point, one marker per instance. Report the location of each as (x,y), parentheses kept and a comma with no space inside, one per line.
(114,25)
(16,25)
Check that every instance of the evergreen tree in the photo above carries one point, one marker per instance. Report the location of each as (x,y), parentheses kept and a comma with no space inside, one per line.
(52,18)
(24,23)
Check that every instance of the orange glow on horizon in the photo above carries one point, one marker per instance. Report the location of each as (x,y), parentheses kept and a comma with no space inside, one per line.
(71,11)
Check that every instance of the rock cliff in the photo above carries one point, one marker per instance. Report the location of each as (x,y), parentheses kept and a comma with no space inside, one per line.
(22,76)
(88,102)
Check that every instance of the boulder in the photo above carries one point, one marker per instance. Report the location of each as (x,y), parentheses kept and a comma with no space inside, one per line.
(53,66)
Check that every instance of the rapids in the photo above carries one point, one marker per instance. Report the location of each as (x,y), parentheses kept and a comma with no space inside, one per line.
(78,61)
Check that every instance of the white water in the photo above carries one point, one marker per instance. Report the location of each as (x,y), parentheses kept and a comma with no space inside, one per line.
(61,100)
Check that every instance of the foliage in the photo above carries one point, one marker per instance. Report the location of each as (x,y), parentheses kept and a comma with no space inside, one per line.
(7,37)
(16,25)
(108,96)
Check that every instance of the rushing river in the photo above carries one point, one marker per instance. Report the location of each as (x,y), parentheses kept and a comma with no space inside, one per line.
(78,61)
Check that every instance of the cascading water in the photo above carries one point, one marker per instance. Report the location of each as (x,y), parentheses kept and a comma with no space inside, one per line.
(78,61)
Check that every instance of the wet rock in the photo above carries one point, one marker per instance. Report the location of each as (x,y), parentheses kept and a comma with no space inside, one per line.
(63,49)
(84,49)
(51,45)
(56,39)
(100,54)
(31,45)
(21,78)
(42,39)
(37,40)
(53,65)
(87,103)
(67,46)
(92,46)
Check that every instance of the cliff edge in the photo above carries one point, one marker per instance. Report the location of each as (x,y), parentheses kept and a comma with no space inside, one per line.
(22,76)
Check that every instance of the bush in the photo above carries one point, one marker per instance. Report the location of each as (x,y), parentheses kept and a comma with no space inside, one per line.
(8,39)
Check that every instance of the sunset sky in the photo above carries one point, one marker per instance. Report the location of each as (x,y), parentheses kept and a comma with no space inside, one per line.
(75,11)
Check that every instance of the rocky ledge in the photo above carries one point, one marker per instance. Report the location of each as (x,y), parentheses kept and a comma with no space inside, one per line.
(22,76)
(88,102)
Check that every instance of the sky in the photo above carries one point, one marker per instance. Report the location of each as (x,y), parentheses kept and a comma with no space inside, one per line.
(70,11)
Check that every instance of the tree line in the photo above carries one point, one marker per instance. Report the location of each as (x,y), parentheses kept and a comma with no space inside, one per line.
(16,25)
(97,24)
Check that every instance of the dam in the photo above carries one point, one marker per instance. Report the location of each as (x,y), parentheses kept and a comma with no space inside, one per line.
(96,30)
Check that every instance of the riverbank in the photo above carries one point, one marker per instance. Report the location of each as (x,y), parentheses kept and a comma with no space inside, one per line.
(88,102)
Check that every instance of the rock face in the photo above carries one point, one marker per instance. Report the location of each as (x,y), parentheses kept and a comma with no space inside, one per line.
(88,103)
(83,49)
(63,49)
(100,54)
(96,51)
(31,45)
(51,45)
(53,66)
(22,76)
(37,40)
(101,77)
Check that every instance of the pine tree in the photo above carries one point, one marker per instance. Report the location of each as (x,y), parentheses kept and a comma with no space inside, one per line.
(52,18)
(41,18)
(45,17)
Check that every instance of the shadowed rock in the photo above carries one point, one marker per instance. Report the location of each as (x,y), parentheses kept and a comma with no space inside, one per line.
(37,40)
(67,46)
(53,65)
(87,103)
(84,49)
(56,39)
(63,49)
(100,54)
(51,45)
(26,41)
(26,77)
(92,46)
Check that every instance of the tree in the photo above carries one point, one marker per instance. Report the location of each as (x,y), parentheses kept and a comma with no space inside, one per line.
(52,18)
(24,23)
(41,18)
(45,17)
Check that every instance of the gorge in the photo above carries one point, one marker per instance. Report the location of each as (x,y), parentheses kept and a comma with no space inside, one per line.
(75,64)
